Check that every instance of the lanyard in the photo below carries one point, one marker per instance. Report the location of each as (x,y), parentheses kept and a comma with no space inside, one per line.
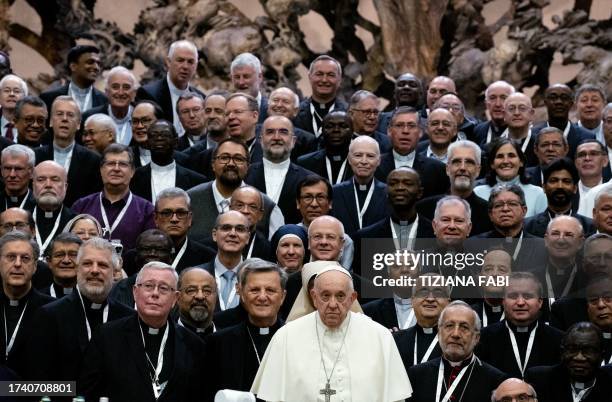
(451,389)
(44,245)
(517,356)
(361,211)
(565,130)
(107,227)
(517,250)
(121,135)
(578,396)
(506,134)
(411,235)
(568,285)
(22,202)
(230,298)
(160,360)
(82,107)
(406,323)
(330,174)
(104,315)
(485,319)
(251,247)
(430,349)
(180,253)
(7,342)
(313,112)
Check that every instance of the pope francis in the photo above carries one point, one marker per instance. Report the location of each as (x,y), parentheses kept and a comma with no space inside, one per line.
(332,354)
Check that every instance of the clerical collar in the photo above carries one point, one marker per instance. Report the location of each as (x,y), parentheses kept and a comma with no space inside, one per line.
(144,151)
(263,331)
(269,165)
(607,335)
(461,364)
(163,169)
(553,214)
(362,187)
(410,221)
(399,300)
(16,302)
(496,309)
(522,329)
(47,214)
(427,330)
(322,106)
(583,385)
(66,150)
(90,305)
(147,330)
(338,156)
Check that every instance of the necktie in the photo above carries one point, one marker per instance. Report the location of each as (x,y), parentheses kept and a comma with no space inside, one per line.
(227,286)
(9,131)
(224,204)
(453,375)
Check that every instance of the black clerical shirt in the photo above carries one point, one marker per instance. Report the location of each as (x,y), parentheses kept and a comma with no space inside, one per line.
(152,343)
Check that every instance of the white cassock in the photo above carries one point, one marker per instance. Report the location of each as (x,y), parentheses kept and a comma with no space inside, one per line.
(369,368)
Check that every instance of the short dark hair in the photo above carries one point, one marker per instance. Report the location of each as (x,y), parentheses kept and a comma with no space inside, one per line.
(602,147)
(166,122)
(590,88)
(561,164)
(116,148)
(76,52)
(550,130)
(252,104)
(16,235)
(234,141)
(404,110)
(311,180)
(520,275)
(502,188)
(491,177)
(582,326)
(64,238)
(157,110)
(188,96)
(29,100)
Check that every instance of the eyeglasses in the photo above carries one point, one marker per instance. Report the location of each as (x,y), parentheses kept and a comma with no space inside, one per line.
(308,199)
(226,228)
(509,204)
(145,121)
(591,154)
(8,169)
(405,126)
(169,213)
(237,159)
(194,290)
(593,301)
(517,398)
(435,293)
(149,287)
(556,235)
(519,108)
(556,145)
(25,258)
(8,226)
(239,206)
(30,120)
(368,112)
(443,123)
(194,110)
(114,164)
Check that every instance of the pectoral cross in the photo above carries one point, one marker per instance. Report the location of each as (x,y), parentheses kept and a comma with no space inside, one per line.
(328,392)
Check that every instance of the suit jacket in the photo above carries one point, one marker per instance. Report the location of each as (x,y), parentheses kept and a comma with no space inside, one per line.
(16,359)
(405,340)
(57,347)
(286,202)
(432,172)
(206,212)
(384,141)
(480,216)
(184,179)
(382,311)
(537,224)
(575,135)
(45,226)
(315,162)
(115,365)
(346,209)
(535,175)
(97,98)
(303,119)
(480,133)
(567,311)
(159,92)
(484,379)
(496,349)
(553,384)
(199,159)
(83,174)
(6,203)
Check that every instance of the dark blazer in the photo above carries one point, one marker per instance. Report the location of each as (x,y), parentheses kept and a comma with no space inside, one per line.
(97,98)
(553,384)
(485,378)
(303,119)
(384,141)
(115,365)
(537,224)
(404,340)
(5,202)
(496,349)
(432,172)
(16,359)
(346,210)
(480,133)
(535,175)
(183,142)
(159,92)
(59,344)
(195,254)
(46,226)
(263,109)
(231,316)
(567,311)
(480,216)
(305,142)
(315,162)
(199,159)
(382,311)
(286,202)
(4,142)
(575,135)
(184,179)
(83,174)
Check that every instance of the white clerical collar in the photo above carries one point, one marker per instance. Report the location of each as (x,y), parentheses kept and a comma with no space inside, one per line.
(607,335)
(163,169)
(264,331)
(404,158)
(13,303)
(522,329)
(96,306)
(152,331)
(282,166)
(428,331)
(125,119)
(173,89)
(67,150)
(496,309)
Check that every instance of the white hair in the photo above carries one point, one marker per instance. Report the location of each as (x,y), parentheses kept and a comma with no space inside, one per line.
(157,265)
(121,69)
(605,191)
(330,219)
(182,44)
(453,199)
(461,303)
(364,139)
(20,81)
(499,83)
(104,121)
(465,144)
(246,60)
(17,150)
(296,98)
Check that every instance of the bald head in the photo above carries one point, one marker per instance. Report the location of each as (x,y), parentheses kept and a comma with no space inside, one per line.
(326,238)
(439,86)
(513,388)
(283,102)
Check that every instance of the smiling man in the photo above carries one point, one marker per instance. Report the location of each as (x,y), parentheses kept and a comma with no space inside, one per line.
(61,258)
(235,353)
(12,89)
(363,110)
(30,121)
(197,301)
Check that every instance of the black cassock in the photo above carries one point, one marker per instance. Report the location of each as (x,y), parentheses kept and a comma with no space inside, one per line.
(426,344)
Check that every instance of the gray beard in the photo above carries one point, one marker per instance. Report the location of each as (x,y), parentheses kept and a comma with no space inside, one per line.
(199,314)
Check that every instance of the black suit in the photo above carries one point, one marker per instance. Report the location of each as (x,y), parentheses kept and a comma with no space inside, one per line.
(16,359)
(303,119)
(195,254)
(230,358)
(495,347)
(432,172)
(346,209)
(553,384)
(537,224)
(58,345)
(484,379)
(44,226)
(97,97)
(200,159)
(481,130)
(384,141)
(405,341)
(83,173)
(230,317)
(184,179)
(567,311)
(382,311)
(6,202)
(575,135)
(115,365)
(286,202)
(159,91)
(315,162)
(535,175)
(480,215)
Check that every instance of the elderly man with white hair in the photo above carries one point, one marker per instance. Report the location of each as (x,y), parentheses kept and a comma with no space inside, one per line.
(363,197)
(332,353)
(12,89)
(247,76)
(121,90)
(17,163)
(100,131)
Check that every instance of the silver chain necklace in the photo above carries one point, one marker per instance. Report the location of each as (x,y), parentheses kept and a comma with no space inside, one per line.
(254,347)
(328,391)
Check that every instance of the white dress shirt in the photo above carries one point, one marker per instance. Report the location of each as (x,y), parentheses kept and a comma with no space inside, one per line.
(162,177)
(275,174)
